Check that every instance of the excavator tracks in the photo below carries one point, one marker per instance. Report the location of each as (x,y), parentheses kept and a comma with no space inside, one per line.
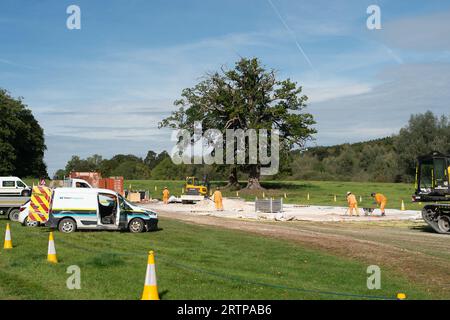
(438,217)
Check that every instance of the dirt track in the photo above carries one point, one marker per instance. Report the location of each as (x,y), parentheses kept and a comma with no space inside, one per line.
(406,247)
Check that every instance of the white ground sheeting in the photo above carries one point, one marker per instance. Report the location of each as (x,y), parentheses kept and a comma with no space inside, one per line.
(237,208)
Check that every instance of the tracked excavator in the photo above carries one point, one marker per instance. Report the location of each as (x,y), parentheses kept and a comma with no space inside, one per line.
(433,187)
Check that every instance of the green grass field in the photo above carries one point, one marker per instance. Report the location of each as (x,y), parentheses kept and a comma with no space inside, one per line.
(320,192)
(193,262)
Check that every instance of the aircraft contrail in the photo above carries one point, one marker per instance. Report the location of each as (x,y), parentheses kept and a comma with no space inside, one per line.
(16,64)
(300,48)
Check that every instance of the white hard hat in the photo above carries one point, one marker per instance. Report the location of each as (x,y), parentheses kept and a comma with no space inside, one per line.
(349,193)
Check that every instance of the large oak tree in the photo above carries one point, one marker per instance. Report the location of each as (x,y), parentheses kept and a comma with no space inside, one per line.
(245,97)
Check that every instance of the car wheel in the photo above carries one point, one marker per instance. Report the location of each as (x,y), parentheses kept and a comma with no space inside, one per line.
(67,225)
(14,215)
(136,226)
(30,223)
(26,193)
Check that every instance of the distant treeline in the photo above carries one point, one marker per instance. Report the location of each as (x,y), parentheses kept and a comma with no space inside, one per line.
(153,166)
(391,159)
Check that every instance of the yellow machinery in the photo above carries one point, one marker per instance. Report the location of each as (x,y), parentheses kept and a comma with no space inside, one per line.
(193,187)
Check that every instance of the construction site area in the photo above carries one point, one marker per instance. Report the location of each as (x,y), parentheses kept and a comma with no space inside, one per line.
(224,150)
(304,252)
(296,240)
(241,209)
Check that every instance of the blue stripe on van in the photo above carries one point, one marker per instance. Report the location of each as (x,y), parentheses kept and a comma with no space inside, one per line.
(137,215)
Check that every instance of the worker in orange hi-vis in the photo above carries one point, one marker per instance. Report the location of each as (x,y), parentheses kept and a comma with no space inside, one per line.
(352,204)
(166,195)
(380,200)
(217,196)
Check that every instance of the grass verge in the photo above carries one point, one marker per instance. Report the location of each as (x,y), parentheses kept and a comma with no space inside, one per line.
(193,262)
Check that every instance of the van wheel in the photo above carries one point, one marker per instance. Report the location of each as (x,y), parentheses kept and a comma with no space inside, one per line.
(30,223)
(67,225)
(26,193)
(14,215)
(136,225)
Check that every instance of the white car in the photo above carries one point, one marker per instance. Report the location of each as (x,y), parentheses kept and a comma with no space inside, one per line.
(23,216)
(13,186)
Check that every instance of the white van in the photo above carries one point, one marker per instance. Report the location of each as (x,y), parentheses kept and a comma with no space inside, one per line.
(25,208)
(13,186)
(76,183)
(97,209)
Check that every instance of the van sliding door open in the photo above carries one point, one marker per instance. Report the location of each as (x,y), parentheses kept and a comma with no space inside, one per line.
(107,208)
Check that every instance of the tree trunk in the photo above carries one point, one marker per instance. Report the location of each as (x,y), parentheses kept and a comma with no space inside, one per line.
(254,177)
(233,182)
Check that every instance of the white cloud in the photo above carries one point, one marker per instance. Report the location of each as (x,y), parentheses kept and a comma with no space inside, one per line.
(114,102)
(421,33)
(405,89)
(327,91)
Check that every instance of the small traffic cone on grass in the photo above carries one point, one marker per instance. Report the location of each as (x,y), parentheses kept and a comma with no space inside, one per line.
(51,256)
(8,241)
(150,287)
(403,206)
(401,296)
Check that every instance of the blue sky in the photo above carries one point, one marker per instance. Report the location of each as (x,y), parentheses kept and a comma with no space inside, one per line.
(103,89)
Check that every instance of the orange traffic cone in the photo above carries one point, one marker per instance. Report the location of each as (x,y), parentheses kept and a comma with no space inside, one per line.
(8,241)
(150,287)
(51,256)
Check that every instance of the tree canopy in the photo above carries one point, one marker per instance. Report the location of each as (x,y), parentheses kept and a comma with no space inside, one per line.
(424,133)
(22,143)
(246,97)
